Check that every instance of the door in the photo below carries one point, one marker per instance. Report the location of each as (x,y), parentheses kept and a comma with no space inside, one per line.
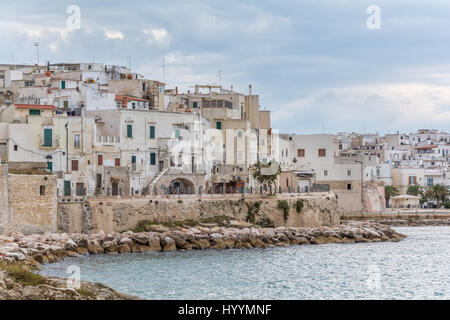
(67,190)
(115,188)
(50,166)
(80,189)
(99,180)
(133,163)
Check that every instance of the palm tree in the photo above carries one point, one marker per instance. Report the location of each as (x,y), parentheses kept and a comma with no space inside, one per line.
(439,193)
(389,192)
(266,174)
(414,190)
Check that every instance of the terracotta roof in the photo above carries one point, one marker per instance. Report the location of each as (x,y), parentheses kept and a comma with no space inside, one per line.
(125,97)
(35,106)
(426,147)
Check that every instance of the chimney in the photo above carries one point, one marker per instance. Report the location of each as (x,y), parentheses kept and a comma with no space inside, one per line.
(249,89)
(176,91)
(231,88)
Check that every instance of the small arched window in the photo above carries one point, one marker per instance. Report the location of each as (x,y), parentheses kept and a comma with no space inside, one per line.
(42,190)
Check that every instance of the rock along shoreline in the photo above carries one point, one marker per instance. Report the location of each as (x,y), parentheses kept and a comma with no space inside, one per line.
(35,250)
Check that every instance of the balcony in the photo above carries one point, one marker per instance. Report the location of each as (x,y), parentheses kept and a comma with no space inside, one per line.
(108,140)
(47,145)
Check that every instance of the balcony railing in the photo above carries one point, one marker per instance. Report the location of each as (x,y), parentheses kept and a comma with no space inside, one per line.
(53,144)
(108,139)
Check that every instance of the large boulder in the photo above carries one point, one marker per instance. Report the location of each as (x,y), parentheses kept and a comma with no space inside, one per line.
(168,244)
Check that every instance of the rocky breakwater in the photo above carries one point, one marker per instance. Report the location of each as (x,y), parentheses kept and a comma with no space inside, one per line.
(37,249)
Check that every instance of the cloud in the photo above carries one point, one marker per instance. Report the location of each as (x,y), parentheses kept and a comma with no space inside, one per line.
(314,63)
(114,35)
(377,108)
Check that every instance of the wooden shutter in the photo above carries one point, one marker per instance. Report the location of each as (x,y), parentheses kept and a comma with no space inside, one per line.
(74,165)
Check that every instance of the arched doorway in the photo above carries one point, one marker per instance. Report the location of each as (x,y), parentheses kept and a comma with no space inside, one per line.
(181,186)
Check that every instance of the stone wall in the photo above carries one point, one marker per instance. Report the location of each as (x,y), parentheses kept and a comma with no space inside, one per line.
(114,214)
(29,210)
(28,202)
(4,208)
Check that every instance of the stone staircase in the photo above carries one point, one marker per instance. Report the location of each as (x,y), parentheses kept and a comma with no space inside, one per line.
(151,185)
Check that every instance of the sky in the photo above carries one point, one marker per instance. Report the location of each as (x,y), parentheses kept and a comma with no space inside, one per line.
(316,64)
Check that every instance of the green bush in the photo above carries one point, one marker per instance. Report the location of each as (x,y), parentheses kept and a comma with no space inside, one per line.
(86,293)
(21,274)
(284,205)
(299,205)
(253,209)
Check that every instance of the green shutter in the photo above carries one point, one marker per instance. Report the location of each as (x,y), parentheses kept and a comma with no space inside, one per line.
(67,188)
(133,159)
(152,132)
(50,166)
(63,84)
(218,125)
(177,134)
(35,112)
(195,104)
(48,137)
(152,158)
(129,131)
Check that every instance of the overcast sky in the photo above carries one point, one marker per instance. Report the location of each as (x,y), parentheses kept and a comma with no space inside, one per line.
(315,63)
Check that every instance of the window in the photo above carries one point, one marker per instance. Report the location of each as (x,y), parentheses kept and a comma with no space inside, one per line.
(129,131)
(42,190)
(429,182)
(239,134)
(66,104)
(47,137)
(349,172)
(50,166)
(219,125)
(143,86)
(195,104)
(325,172)
(133,105)
(35,112)
(74,165)
(100,159)
(177,133)
(15,147)
(412,180)
(117,162)
(152,158)
(300,152)
(349,186)
(152,132)
(119,104)
(322,152)
(63,84)
(76,140)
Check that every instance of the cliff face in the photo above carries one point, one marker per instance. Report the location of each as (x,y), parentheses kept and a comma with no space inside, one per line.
(116,215)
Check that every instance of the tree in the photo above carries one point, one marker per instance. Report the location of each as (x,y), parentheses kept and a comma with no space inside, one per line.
(266,174)
(389,192)
(414,190)
(439,193)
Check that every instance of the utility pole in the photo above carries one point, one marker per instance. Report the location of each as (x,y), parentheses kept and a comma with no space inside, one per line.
(362,181)
(36,44)
(164,70)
